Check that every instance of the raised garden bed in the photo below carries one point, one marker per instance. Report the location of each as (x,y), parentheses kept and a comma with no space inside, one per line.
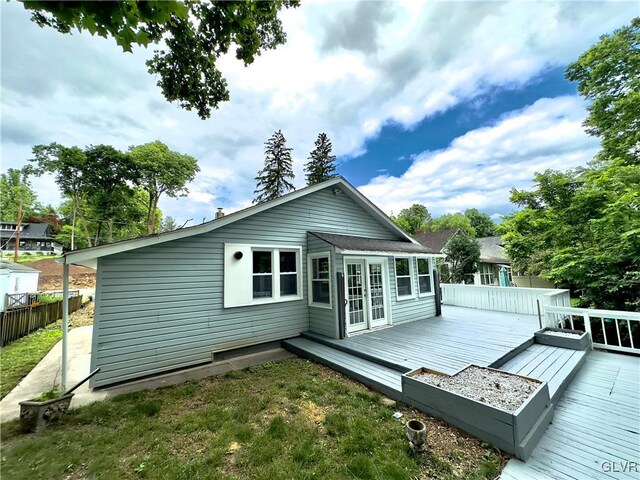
(507,410)
(564,338)
(36,415)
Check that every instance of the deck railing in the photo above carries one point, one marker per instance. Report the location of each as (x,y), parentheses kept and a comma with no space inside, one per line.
(610,329)
(503,299)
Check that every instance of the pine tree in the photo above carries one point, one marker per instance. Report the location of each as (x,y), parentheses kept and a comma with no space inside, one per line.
(321,165)
(272,179)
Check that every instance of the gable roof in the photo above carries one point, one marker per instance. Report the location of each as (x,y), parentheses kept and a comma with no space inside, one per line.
(492,250)
(436,241)
(16,267)
(88,256)
(30,231)
(364,244)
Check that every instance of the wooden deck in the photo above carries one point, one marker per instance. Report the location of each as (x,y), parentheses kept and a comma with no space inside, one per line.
(448,343)
(595,432)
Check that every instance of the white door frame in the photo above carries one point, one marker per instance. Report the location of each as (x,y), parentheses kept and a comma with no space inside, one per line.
(368,324)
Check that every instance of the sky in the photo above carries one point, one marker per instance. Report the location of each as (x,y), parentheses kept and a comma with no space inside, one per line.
(448,104)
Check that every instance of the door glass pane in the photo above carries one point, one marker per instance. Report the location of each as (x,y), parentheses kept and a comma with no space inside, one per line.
(355,294)
(377,292)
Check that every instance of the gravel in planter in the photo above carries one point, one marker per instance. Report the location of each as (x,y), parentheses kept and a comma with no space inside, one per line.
(563,334)
(500,390)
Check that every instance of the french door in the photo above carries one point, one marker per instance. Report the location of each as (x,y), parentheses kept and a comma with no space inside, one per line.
(366,294)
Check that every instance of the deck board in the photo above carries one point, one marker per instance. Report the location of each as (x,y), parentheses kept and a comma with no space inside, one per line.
(448,343)
(597,420)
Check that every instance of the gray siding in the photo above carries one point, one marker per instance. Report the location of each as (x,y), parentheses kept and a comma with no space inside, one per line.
(324,320)
(418,308)
(161,307)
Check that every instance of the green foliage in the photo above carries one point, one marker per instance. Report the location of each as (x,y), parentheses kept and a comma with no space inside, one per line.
(450,221)
(191,37)
(581,229)
(48,395)
(272,180)
(481,223)
(413,219)
(161,171)
(462,255)
(16,190)
(321,166)
(608,74)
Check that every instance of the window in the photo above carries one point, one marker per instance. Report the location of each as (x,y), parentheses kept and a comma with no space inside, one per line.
(404,278)
(486,274)
(257,274)
(319,280)
(262,275)
(424,276)
(288,274)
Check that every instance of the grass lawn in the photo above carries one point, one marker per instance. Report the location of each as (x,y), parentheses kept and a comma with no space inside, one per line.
(288,420)
(19,357)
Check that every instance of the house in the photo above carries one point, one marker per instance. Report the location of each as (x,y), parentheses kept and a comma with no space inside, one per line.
(322,259)
(436,241)
(16,278)
(494,268)
(34,238)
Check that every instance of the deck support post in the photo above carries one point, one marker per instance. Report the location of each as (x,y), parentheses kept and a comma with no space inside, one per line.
(65,323)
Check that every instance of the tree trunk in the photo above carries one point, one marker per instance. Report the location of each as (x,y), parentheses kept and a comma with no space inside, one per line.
(110,240)
(151,214)
(84,227)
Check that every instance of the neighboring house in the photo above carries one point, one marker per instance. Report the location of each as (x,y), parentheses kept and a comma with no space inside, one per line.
(16,278)
(494,268)
(34,238)
(436,241)
(322,258)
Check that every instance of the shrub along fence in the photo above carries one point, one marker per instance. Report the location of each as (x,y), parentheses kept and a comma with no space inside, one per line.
(17,323)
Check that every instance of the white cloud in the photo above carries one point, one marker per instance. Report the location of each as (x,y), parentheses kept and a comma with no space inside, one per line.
(422,58)
(479,168)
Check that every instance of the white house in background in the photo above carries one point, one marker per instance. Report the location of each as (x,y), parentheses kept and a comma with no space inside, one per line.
(16,278)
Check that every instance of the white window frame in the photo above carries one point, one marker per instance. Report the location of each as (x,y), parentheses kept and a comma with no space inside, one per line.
(310,258)
(238,274)
(486,270)
(429,261)
(411,277)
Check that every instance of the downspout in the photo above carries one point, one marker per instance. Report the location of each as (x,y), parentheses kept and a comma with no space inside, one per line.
(65,322)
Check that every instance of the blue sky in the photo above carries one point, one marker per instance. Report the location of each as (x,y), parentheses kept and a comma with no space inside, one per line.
(449,104)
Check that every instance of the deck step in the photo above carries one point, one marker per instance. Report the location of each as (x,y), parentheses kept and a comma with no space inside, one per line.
(349,348)
(374,375)
(555,365)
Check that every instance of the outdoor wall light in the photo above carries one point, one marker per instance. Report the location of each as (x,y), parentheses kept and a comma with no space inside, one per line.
(238,255)
(337,191)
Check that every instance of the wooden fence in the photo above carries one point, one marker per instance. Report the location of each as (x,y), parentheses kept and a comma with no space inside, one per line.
(503,299)
(17,323)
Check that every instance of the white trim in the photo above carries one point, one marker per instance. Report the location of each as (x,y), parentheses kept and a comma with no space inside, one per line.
(87,256)
(242,275)
(379,253)
(411,276)
(387,292)
(310,258)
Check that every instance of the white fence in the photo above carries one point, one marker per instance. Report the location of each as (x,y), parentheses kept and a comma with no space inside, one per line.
(503,299)
(610,329)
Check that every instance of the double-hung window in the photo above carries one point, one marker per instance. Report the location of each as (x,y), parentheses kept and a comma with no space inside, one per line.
(255,274)
(424,276)
(319,280)
(404,278)
(486,274)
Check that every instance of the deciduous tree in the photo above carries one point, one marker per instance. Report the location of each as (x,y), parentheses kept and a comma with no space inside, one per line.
(453,220)
(16,190)
(190,35)
(413,219)
(161,171)
(462,256)
(481,223)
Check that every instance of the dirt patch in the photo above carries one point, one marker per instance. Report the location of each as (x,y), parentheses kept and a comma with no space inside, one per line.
(51,275)
(315,414)
(82,317)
